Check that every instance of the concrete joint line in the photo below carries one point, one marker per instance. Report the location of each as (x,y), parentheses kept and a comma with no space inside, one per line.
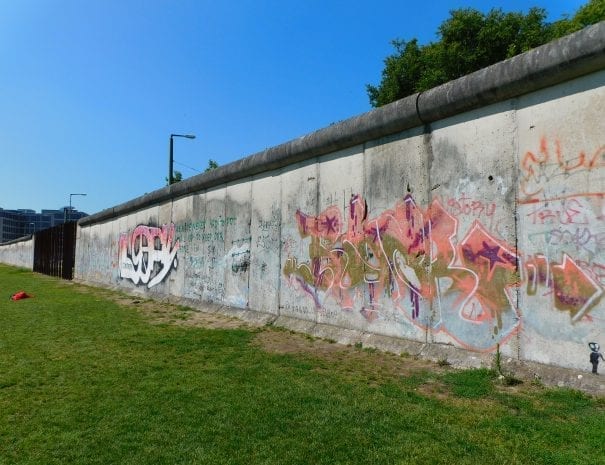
(418,95)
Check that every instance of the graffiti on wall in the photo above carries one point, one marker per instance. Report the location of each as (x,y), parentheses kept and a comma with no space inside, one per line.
(564,213)
(409,255)
(460,282)
(147,254)
(545,166)
(216,253)
(197,233)
(573,289)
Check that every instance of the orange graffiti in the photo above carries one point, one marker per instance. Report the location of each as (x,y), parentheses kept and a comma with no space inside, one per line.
(410,255)
(540,166)
(573,289)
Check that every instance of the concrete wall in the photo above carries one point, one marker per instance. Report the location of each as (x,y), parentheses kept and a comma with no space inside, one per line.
(19,252)
(470,215)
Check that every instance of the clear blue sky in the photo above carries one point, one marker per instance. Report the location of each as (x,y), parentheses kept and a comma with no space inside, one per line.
(91,90)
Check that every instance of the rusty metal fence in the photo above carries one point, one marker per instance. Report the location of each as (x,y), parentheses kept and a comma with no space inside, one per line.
(55,250)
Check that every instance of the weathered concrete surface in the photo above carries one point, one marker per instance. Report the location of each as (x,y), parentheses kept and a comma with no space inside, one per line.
(19,252)
(561,222)
(265,245)
(466,232)
(237,239)
(97,252)
(300,189)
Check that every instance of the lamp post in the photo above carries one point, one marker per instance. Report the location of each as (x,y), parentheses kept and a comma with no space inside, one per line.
(33,227)
(65,218)
(171,157)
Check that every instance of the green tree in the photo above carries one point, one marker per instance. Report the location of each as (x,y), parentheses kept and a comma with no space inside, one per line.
(470,40)
(591,13)
(212,165)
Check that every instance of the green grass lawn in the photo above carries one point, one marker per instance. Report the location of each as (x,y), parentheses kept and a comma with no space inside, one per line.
(86,380)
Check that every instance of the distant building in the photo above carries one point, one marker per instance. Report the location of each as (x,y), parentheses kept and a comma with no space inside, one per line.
(18,223)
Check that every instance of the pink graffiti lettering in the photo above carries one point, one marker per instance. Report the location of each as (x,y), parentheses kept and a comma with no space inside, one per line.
(571,212)
(464,205)
(409,255)
(147,254)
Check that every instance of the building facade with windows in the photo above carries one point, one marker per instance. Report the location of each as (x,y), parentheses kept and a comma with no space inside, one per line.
(18,223)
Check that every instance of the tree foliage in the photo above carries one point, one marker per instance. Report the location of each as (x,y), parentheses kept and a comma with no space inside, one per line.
(212,165)
(470,40)
(178,176)
(591,13)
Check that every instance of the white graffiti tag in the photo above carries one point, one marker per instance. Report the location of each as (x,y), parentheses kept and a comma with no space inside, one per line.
(142,249)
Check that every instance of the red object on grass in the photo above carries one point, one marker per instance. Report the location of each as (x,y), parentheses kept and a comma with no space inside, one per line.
(20,295)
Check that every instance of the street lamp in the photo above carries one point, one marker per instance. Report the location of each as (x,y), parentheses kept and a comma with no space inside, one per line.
(65,215)
(171,157)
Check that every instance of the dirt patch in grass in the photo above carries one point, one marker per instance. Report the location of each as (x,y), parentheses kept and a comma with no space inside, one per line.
(290,342)
(363,364)
(436,389)
(158,312)
(345,358)
(166,313)
(368,364)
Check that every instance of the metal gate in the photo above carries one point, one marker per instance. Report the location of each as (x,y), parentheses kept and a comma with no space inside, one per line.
(55,250)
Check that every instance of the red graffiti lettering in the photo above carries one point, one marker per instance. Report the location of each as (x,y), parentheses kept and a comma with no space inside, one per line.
(537,168)
(570,212)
